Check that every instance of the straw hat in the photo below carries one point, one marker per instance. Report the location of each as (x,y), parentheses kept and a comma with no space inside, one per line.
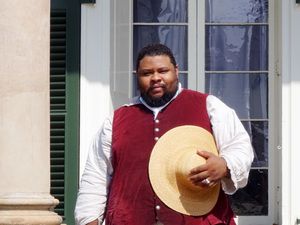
(172,158)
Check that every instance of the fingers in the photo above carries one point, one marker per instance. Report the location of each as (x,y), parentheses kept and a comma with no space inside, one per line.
(205,154)
(200,179)
(202,182)
(198,175)
(198,169)
(215,165)
(209,173)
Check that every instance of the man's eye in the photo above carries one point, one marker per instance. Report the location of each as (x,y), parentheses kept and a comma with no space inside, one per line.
(164,71)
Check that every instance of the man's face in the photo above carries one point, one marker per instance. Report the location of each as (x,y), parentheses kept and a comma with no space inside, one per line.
(157,76)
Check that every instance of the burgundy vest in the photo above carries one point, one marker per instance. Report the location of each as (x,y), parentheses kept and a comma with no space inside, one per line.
(131,199)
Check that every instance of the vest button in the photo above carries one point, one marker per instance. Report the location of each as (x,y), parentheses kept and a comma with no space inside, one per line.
(157,121)
(156,138)
(157,207)
(156,129)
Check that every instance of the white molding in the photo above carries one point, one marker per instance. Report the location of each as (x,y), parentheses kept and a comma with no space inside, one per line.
(95,100)
(290,67)
(201,46)
(192,44)
(273,110)
(295,109)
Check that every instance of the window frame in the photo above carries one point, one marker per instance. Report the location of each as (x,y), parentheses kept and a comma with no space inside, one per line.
(197,76)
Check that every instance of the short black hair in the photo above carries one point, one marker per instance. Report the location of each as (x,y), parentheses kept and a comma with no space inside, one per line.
(154,50)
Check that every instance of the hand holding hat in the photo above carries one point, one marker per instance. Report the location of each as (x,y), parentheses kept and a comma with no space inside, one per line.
(211,172)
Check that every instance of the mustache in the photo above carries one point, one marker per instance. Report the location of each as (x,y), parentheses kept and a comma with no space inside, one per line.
(156,86)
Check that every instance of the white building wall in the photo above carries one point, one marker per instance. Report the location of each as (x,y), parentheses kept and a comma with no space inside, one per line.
(95,100)
(290,111)
(295,108)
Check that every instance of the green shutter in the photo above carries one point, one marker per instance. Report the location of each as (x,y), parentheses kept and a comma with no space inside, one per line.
(64,104)
(58,106)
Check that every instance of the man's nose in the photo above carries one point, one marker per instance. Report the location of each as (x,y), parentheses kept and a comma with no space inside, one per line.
(156,76)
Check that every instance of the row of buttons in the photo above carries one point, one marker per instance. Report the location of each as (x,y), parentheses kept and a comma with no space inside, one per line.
(157,207)
(156,129)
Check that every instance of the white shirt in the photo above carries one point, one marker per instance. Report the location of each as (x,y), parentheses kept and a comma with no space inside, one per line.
(232,141)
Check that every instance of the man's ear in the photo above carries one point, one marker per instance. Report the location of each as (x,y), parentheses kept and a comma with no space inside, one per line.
(177,71)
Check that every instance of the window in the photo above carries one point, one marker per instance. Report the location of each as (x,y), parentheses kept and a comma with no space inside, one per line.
(163,22)
(236,71)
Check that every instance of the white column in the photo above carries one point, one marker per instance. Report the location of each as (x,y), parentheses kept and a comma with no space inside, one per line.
(24,114)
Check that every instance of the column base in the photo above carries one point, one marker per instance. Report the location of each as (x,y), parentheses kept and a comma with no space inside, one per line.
(28,209)
(29,217)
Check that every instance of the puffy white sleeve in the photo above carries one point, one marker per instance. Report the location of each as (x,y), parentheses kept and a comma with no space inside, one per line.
(92,194)
(233,143)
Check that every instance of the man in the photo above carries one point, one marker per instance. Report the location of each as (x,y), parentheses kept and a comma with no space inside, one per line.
(115,185)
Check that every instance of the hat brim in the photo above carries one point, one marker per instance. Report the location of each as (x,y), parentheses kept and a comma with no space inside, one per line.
(172,157)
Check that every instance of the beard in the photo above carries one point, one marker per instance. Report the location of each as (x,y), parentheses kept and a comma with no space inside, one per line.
(159,101)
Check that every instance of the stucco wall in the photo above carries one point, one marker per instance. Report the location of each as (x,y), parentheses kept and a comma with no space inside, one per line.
(290,54)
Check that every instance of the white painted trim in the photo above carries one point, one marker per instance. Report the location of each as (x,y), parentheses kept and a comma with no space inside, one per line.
(192,45)
(274,102)
(95,100)
(286,111)
(201,46)
(295,110)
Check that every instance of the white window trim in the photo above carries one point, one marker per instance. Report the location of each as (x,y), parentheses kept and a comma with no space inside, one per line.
(290,67)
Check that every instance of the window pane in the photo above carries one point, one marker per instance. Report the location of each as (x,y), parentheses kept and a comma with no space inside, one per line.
(183,79)
(175,37)
(240,11)
(253,199)
(259,132)
(236,48)
(160,11)
(246,93)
